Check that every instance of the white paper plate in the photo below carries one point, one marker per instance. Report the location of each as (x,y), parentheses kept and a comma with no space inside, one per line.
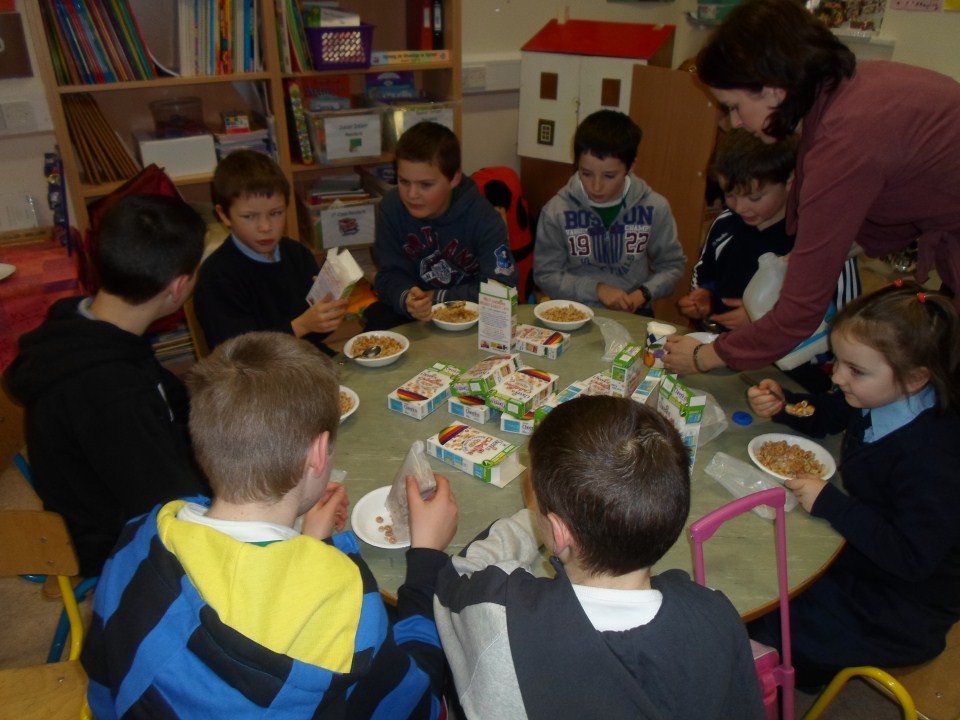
(356,402)
(704,337)
(363,519)
(823,457)
(557,325)
(378,361)
(458,326)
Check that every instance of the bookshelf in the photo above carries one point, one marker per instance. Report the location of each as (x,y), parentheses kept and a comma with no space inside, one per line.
(125,103)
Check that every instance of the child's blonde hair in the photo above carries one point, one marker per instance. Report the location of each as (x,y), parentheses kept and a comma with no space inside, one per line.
(912,328)
(257,403)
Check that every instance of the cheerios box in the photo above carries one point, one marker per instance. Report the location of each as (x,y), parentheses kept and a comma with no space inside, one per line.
(473,408)
(648,385)
(485,375)
(483,456)
(422,394)
(684,409)
(521,426)
(541,341)
(522,391)
(558,398)
(626,370)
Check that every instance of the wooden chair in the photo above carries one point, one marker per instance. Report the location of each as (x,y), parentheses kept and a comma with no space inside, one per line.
(200,348)
(37,542)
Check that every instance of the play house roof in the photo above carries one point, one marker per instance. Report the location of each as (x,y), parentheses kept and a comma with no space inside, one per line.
(603,39)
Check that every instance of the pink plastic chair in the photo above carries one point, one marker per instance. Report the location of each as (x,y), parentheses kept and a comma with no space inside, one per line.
(772,671)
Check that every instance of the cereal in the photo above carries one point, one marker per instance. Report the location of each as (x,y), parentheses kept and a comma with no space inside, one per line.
(789,460)
(563,313)
(388,346)
(800,409)
(346,402)
(457,314)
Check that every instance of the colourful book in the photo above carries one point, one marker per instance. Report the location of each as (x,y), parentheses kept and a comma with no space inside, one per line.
(63,63)
(118,58)
(102,68)
(72,34)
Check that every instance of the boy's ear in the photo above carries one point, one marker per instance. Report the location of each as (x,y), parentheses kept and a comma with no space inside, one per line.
(456,178)
(320,453)
(180,288)
(563,540)
(224,217)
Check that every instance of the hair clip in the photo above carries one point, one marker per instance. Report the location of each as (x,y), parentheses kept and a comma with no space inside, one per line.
(922,297)
(898,283)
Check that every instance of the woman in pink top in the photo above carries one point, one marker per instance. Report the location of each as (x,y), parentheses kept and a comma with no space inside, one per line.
(878,165)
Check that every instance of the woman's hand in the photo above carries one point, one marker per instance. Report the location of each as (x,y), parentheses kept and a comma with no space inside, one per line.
(679,356)
(732,319)
(806,488)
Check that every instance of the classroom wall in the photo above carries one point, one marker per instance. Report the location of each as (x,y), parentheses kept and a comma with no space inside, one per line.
(496,29)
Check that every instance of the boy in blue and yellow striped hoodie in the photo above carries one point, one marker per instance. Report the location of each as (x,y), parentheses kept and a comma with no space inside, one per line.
(221,608)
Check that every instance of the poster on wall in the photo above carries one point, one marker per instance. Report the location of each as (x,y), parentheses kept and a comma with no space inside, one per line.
(14,56)
(851,17)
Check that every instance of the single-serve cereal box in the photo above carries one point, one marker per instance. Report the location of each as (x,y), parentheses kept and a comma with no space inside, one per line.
(485,375)
(489,458)
(684,409)
(541,341)
(598,384)
(648,385)
(473,408)
(523,391)
(521,426)
(337,277)
(422,394)
(497,328)
(561,396)
(626,370)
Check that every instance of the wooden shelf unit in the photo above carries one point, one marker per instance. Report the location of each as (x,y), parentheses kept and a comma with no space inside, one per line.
(126,104)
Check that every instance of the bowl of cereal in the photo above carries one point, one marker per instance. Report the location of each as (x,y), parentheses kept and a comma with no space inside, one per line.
(392,345)
(456,315)
(349,402)
(563,314)
(786,456)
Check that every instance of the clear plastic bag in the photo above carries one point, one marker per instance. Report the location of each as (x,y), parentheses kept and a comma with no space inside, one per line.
(714,419)
(742,479)
(416,464)
(615,337)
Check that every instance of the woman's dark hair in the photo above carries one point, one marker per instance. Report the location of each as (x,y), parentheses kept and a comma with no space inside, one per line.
(776,44)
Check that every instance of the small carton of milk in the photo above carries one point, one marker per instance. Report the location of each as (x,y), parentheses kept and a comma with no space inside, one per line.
(339,274)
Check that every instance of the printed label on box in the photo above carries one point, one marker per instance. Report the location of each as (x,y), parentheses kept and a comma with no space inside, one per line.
(626,370)
(485,375)
(558,398)
(522,392)
(521,426)
(541,341)
(476,453)
(498,317)
(423,393)
(473,408)
(648,385)
(346,224)
(684,409)
(336,278)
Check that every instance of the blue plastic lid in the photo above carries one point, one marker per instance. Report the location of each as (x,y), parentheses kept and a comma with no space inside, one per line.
(742,418)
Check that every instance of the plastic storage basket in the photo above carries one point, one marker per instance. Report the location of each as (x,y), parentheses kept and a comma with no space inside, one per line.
(341,48)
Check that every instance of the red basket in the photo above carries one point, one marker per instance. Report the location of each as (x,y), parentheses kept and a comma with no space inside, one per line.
(341,48)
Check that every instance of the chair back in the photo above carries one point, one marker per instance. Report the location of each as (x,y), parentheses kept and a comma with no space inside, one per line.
(200,347)
(37,542)
(774,671)
(501,186)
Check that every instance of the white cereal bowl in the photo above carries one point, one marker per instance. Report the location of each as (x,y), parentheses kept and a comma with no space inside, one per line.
(354,399)
(821,454)
(457,326)
(379,360)
(558,325)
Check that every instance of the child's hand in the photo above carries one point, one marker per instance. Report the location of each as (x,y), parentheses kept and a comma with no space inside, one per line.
(433,522)
(806,488)
(695,304)
(765,399)
(419,304)
(614,298)
(329,515)
(735,318)
(322,317)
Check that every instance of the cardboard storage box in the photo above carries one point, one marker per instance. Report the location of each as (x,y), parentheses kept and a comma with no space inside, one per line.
(178,156)
(346,134)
